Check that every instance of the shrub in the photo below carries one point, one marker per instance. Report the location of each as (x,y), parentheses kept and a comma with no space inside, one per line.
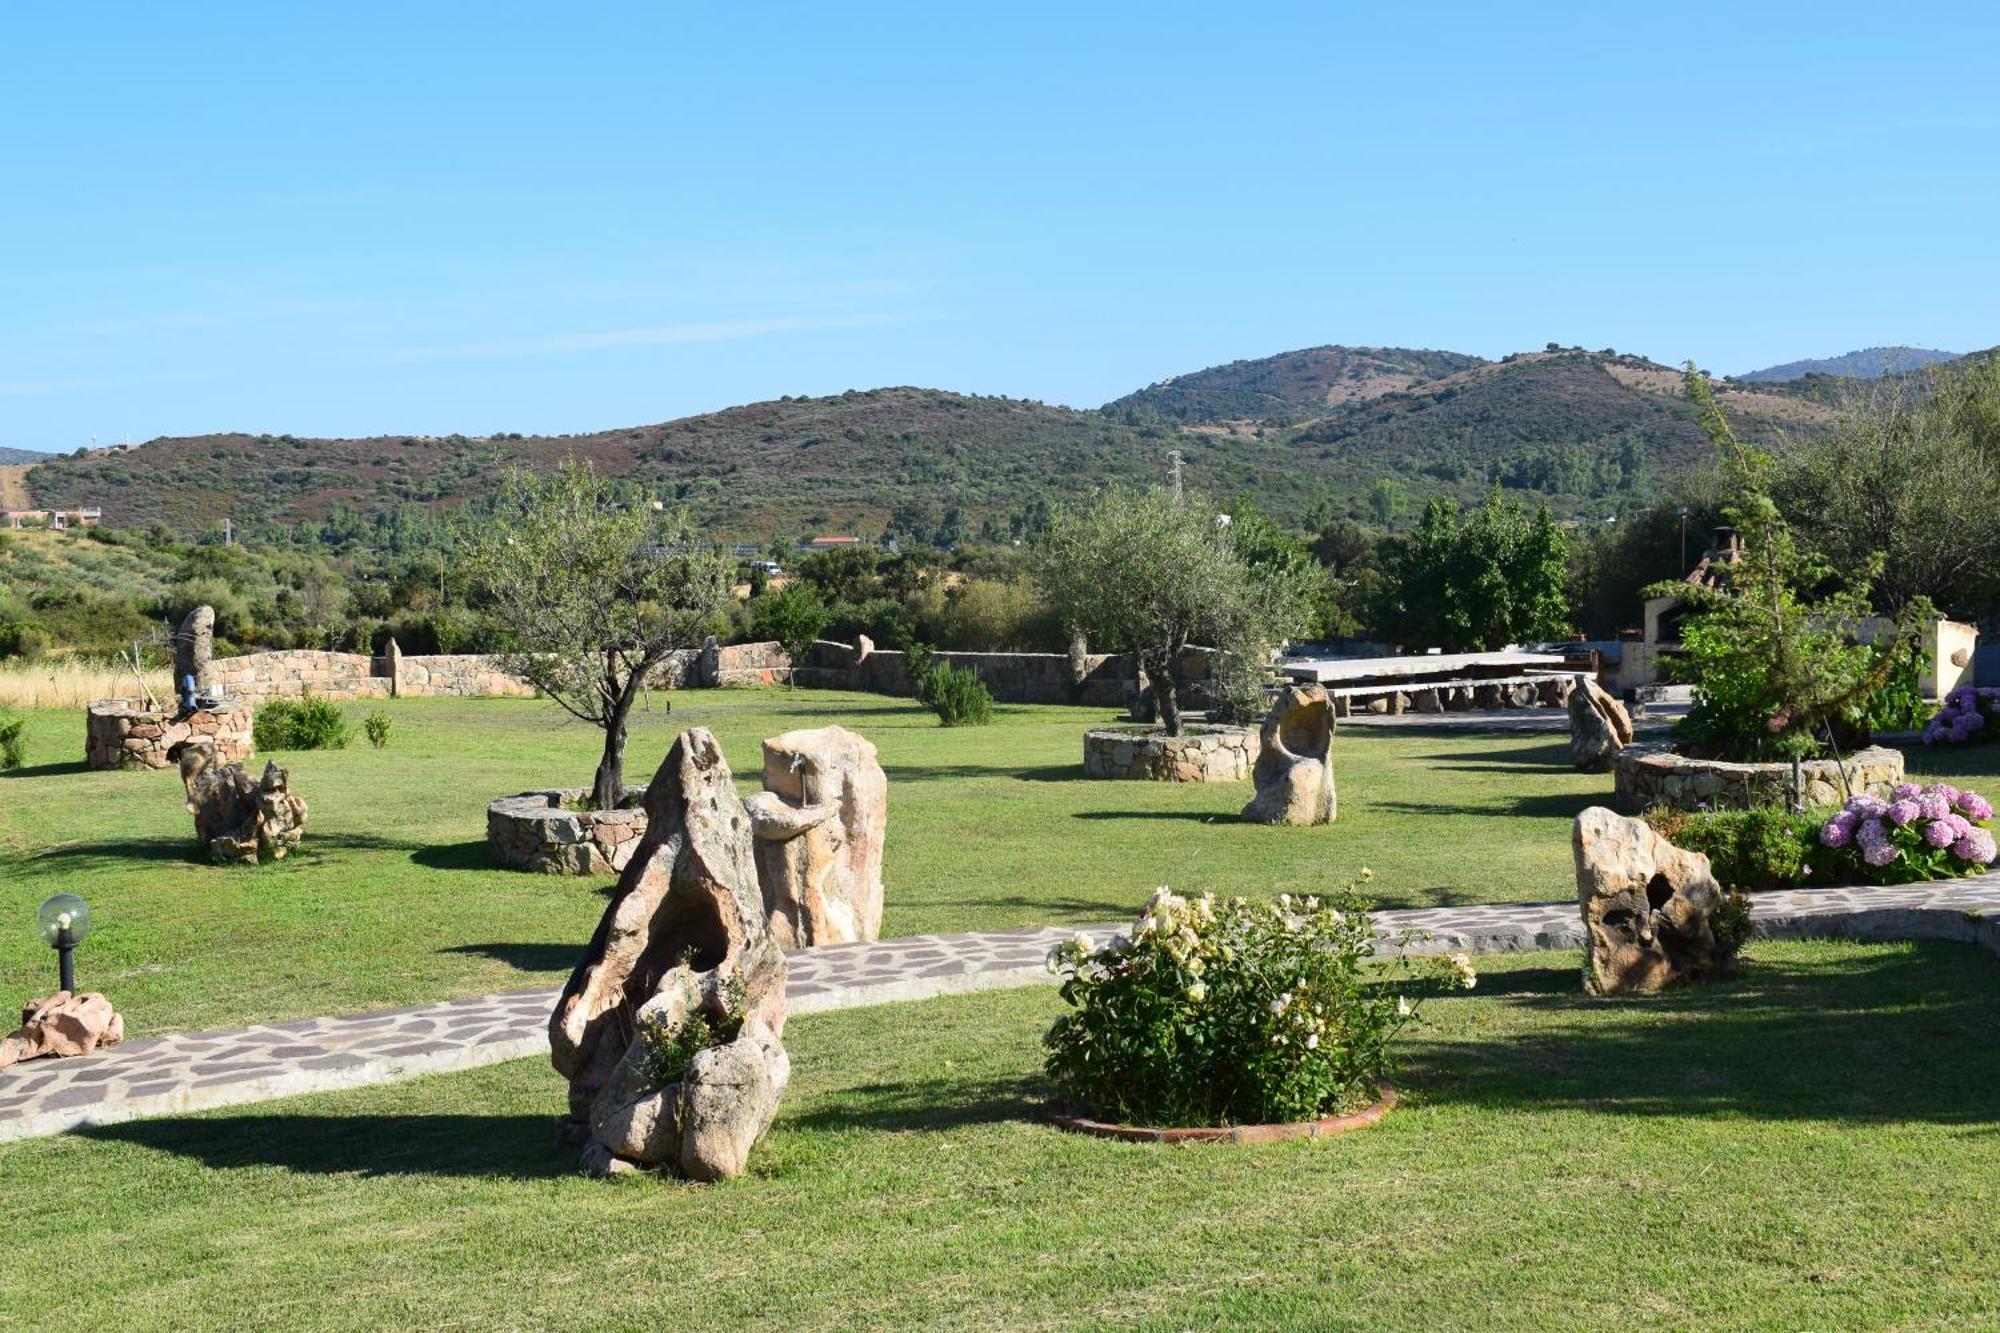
(959,697)
(1920,833)
(795,617)
(300,724)
(1967,715)
(13,747)
(1748,849)
(1234,1012)
(22,640)
(376,726)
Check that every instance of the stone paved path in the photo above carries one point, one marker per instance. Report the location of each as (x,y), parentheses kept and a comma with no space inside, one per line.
(149,1076)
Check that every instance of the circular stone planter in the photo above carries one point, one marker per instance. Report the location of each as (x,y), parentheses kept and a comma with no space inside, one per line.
(124,733)
(1199,754)
(1324,1127)
(1651,774)
(538,831)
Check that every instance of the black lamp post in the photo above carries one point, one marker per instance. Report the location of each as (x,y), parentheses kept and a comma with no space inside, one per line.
(64,920)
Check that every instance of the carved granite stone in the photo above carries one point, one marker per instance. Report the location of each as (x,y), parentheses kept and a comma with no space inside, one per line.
(237,817)
(194,648)
(1599,726)
(1648,907)
(819,825)
(683,960)
(1294,770)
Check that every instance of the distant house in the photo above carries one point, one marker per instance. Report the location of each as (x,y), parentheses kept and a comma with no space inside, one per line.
(57,519)
(831,543)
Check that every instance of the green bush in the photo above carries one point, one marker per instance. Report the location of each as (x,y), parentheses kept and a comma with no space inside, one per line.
(13,746)
(300,724)
(376,726)
(1748,849)
(21,640)
(959,697)
(1215,1013)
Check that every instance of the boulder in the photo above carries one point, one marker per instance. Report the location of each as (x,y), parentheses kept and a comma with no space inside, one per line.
(194,648)
(1599,726)
(1294,771)
(238,818)
(819,825)
(669,1030)
(1648,907)
(63,1024)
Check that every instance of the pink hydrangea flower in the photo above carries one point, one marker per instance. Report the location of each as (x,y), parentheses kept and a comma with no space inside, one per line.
(1880,853)
(1976,846)
(1974,806)
(1939,834)
(1933,805)
(1903,811)
(1906,791)
(1831,834)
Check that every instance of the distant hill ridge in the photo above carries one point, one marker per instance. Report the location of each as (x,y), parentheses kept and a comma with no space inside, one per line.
(1867,364)
(14,457)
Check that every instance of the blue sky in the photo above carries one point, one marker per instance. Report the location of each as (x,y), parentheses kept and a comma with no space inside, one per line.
(362,218)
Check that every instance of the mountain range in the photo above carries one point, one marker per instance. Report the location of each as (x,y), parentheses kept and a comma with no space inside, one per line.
(1308,432)
(1867,364)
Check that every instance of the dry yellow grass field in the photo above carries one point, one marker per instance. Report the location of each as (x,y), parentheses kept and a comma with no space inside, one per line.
(61,682)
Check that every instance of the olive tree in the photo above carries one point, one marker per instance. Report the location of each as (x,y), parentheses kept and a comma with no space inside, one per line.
(590,594)
(1149,572)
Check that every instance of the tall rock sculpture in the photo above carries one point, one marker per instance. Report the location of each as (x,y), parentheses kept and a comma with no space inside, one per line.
(1649,908)
(819,825)
(194,648)
(1599,726)
(1294,771)
(669,1029)
(237,817)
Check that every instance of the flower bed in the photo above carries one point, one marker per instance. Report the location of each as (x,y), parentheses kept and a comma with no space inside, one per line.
(1969,714)
(1198,754)
(546,832)
(1921,833)
(1214,1014)
(1324,1127)
(1649,775)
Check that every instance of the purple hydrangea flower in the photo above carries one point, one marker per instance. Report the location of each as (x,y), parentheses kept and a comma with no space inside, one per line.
(1871,833)
(1880,853)
(1902,812)
(1933,806)
(1957,823)
(1831,834)
(1939,834)
(1974,806)
(1976,846)
(1906,791)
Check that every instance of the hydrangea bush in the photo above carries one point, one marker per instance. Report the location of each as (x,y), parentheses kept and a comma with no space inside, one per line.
(1214,1012)
(1919,833)
(1968,714)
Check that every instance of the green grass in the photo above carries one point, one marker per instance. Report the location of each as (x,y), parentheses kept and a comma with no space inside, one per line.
(1810,1146)
(391,900)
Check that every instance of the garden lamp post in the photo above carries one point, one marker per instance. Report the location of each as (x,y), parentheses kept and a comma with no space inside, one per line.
(64,920)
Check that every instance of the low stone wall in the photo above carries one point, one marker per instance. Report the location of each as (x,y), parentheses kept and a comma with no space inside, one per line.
(455,675)
(298,671)
(124,733)
(533,831)
(1651,774)
(1199,754)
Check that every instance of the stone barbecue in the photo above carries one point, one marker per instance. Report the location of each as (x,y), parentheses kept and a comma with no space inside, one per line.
(124,733)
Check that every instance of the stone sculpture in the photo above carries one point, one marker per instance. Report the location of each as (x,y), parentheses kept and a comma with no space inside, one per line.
(1294,770)
(682,961)
(194,648)
(1648,907)
(238,818)
(63,1024)
(819,824)
(1599,726)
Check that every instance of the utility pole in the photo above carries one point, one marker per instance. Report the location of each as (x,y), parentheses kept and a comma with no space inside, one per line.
(228,531)
(1684,539)
(1174,461)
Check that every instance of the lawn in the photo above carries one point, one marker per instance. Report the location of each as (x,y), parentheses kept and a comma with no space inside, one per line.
(1810,1146)
(392,901)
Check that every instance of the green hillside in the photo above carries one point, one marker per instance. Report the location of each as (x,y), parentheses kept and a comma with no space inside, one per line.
(1293,385)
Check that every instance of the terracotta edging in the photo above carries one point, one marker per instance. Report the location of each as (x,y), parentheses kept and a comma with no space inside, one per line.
(1278,1133)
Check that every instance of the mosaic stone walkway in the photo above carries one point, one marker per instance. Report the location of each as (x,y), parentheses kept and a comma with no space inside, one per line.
(149,1076)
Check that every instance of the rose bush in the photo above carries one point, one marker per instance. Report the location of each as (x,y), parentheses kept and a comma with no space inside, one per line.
(1215,1012)
(1920,833)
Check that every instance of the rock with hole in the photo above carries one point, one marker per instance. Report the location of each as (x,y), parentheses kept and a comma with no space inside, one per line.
(1649,908)
(1294,770)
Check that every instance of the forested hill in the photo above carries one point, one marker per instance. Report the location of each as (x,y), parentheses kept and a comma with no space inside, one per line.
(1867,364)
(1587,431)
(13,457)
(1293,385)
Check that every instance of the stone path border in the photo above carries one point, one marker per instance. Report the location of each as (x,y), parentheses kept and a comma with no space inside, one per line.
(150,1076)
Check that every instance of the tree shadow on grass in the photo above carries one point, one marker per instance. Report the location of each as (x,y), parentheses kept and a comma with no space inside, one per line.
(1885,1037)
(946,772)
(1073,908)
(1198,816)
(1545,805)
(45,770)
(524,957)
(922,1105)
(1552,757)
(507,1147)
(471,855)
(80,856)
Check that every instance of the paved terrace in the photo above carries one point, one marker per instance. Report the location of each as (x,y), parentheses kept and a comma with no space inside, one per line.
(149,1076)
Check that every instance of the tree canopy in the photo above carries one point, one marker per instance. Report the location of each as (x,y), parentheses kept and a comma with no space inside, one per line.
(1464,581)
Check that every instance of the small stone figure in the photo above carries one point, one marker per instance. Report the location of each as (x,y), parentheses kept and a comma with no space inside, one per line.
(63,1024)
(1294,771)
(819,826)
(1599,726)
(235,817)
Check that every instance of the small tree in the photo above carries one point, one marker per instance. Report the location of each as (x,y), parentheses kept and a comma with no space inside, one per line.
(1467,581)
(1149,573)
(591,595)
(1772,651)
(795,616)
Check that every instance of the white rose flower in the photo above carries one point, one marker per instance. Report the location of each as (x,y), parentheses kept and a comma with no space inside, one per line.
(1312,1042)
(1403,1007)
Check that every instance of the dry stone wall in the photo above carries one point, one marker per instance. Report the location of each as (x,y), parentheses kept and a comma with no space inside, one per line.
(1199,754)
(124,733)
(1650,775)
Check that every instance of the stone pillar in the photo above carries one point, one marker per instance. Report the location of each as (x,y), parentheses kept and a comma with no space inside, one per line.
(708,666)
(194,648)
(392,667)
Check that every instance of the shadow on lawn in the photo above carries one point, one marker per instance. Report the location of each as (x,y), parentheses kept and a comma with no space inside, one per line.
(1551,758)
(1072,908)
(924,1105)
(1884,1037)
(454,856)
(1546,805)
(1199,816)
(77,856)
(944,772)
(516,1147)
(45,770)
(525,957)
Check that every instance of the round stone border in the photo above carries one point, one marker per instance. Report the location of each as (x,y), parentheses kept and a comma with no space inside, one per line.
(1649,774)
(1324,1127)
(1201,753)
(124,733)
(534,831)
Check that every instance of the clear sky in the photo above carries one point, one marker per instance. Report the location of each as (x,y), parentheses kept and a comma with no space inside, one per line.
(425,217)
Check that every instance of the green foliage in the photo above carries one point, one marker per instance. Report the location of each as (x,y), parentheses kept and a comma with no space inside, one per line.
(958,696)
(795,616)
(300,724)
(1772,651)
(1898,704)
(376,727)
(670,1047)
(1747,849)
(1469,581)
(1149,573)
(13,745)
(1228,1012)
